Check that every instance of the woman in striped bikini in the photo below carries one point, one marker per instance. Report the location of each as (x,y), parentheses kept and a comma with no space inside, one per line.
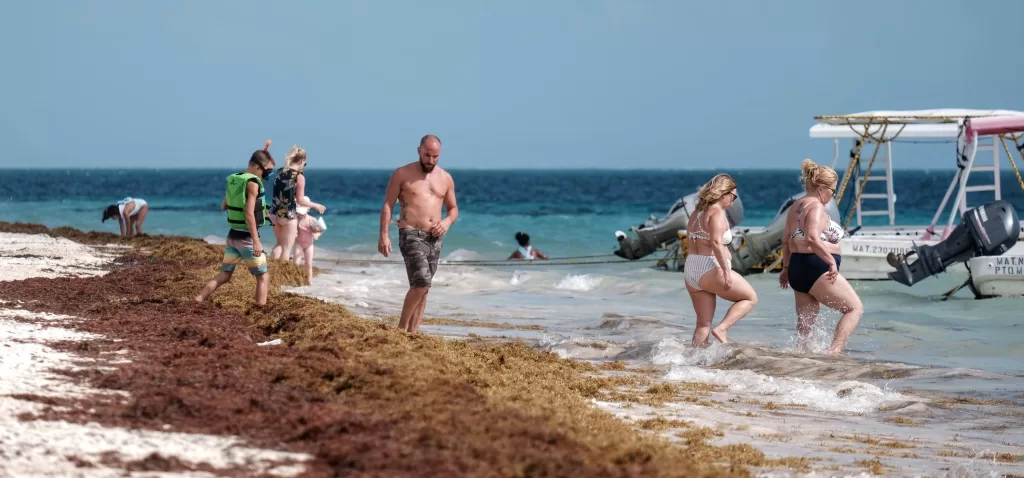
(708,273)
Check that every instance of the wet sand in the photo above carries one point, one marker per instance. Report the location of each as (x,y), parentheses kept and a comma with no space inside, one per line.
(139,377)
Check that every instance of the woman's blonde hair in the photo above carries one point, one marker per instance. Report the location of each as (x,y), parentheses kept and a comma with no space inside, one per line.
(719,186)
(295,157)
(816,176)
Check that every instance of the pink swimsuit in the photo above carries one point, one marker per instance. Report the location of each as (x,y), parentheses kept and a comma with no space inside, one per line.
(305,237)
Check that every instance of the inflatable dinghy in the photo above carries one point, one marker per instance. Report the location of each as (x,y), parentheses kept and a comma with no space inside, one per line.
(752,248)
(658,233)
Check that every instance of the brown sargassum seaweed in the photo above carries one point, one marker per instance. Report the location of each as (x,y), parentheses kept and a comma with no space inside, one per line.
(361,396)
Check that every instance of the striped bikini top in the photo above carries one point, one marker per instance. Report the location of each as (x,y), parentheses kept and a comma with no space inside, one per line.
(832,234)
(698,232)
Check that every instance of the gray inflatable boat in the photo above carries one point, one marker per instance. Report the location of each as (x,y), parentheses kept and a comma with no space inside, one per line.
(751,248)
(658,233)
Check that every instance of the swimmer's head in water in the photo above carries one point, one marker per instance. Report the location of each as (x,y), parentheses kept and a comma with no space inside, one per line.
(110,212)
(429,151)
(523,239)
(264,160)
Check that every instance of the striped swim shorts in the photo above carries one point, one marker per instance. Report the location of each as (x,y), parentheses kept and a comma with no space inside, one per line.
(241,250)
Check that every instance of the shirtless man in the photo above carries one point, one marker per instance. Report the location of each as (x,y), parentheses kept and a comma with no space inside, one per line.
(420,189)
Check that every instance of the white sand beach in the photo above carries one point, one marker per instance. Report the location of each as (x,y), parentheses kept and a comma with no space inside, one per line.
(48,448)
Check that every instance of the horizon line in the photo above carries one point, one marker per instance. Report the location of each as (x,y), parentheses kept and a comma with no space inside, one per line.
(569,169)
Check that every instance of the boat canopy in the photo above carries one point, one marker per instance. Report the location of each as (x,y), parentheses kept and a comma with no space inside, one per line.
(937,123)
(994,125)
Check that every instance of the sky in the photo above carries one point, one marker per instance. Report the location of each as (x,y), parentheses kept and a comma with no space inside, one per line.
(599,84)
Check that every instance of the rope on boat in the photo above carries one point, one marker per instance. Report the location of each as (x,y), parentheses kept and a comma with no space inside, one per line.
(774,265)
(853,162)
(879,141)
(1013,162)
(847,118)
(864,181)
(923,141)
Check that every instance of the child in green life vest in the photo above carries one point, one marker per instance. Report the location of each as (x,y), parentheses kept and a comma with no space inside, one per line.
(246,213)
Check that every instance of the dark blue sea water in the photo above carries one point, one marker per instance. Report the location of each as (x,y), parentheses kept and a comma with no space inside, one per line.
(565,212)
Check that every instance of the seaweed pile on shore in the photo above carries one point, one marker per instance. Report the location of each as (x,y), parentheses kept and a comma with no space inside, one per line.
(363,397)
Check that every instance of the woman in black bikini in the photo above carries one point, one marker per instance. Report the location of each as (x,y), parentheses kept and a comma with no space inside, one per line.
(811,257)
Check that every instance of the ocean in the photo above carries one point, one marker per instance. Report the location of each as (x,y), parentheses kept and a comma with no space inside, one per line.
(910,352)
(566,213)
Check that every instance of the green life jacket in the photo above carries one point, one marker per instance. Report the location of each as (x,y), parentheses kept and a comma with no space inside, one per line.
(235,196)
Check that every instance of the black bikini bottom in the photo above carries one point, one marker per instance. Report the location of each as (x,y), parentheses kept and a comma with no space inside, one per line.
(805,269)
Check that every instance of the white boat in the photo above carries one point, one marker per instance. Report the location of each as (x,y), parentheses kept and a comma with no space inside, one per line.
(865,251)
(999,276)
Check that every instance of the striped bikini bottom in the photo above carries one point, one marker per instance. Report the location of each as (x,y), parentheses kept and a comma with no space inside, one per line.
(696,266)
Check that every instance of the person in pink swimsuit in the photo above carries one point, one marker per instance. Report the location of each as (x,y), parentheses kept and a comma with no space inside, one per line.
(308,231)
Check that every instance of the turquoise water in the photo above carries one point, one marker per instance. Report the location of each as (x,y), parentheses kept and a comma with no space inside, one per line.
(909,345)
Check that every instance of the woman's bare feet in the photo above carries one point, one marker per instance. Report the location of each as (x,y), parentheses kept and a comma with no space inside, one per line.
(804,344)
(719,334)
(837,347)
(703,343)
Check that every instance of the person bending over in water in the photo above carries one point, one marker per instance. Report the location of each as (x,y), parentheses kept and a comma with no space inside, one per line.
(811,258)
(130,213)
(526,252)
(421,188)
(708,273)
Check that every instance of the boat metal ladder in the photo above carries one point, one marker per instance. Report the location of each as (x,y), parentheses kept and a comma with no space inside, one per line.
(985,143)
(889,195)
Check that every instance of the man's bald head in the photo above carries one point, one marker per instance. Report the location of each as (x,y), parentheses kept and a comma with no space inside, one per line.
(430,138)
(429,151)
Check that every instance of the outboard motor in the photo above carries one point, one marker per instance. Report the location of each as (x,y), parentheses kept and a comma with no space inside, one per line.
(750,249)
(988,230)
(655,233)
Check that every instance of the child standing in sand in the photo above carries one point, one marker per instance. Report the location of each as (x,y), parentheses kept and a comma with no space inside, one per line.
(246,213)
(309,230)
